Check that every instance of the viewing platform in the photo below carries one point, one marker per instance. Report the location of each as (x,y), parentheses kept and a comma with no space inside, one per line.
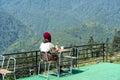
(101,71)
(93,62)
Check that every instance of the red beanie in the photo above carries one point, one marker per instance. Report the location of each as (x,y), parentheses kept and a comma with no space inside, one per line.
(47,35)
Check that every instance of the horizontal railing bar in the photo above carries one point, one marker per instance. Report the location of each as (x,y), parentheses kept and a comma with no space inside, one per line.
(20,53)
(30,59)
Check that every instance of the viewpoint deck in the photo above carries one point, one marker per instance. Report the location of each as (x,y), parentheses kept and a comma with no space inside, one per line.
(101,71)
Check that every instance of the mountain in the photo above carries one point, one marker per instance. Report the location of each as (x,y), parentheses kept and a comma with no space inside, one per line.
(69,21)
(11,31)
(43,15)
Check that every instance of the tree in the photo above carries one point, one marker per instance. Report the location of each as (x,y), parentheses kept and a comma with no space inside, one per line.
(91,40)
(116,40)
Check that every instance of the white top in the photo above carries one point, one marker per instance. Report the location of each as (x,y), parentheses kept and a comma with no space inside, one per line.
(46,47)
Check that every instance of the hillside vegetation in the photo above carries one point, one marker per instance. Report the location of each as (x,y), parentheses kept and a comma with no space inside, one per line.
(71,22)
(11,31)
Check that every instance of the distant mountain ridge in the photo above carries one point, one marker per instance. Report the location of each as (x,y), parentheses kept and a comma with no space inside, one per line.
(67,20)
(11,31)
(51,14)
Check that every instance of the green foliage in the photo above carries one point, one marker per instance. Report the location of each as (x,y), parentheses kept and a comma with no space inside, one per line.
(66,37)
(71,23)
(47,15)
(90,28)
(12,31)
(25,45)
(91,40)
(116,40)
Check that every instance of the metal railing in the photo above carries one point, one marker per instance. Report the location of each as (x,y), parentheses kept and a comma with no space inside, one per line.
(27,62)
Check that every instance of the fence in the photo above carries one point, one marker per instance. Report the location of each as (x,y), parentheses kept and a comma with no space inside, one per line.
(27,62)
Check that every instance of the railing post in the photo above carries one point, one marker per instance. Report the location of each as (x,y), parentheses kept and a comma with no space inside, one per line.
(76,55)
(36,62)
(106,52)
(92,50)
(103,46)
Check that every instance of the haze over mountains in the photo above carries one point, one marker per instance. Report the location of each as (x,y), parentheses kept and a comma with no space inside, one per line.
(73,20)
